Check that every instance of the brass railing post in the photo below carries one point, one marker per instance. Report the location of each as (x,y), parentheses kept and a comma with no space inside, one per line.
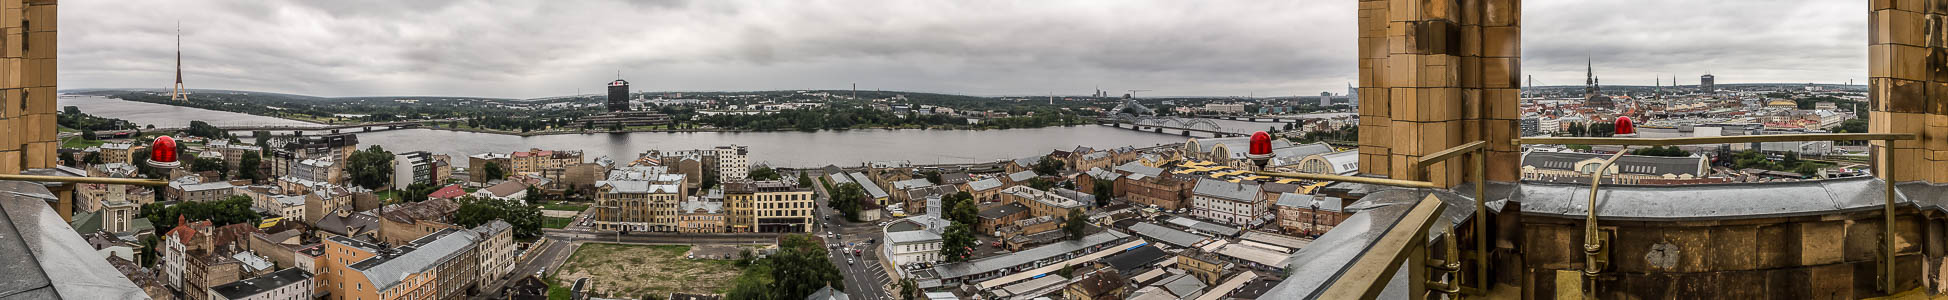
(1887,210)
(1481,221)
(1593,245)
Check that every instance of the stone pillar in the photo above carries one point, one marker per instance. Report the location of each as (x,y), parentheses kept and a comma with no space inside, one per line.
(27,109)
(1438,73)
(1908,86)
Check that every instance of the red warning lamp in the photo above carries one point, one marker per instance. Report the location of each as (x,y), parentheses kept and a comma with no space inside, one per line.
(1261,149)
(162,153)
(1625,127)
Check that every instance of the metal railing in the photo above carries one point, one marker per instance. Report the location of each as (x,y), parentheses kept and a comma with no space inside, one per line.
(1406,241)
(1594,247)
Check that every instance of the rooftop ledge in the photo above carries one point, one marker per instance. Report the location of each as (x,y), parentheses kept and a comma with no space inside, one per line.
(1317,267)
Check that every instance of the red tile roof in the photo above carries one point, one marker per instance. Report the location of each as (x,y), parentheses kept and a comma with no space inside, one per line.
(448,192)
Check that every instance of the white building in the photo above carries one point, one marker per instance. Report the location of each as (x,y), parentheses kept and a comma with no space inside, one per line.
(1548,125)
(915,239)
(1227,202)
(733,164)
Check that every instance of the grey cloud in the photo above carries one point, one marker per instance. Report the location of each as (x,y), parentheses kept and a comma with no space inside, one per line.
(1217,48)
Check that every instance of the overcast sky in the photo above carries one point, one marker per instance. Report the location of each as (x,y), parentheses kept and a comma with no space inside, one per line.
(522,49)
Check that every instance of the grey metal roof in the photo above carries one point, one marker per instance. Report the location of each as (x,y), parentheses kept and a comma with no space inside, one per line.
(1236,191)
(1346,162)
(260,284)
(639,187)
(1031,255)
(1292,155)
(387,270)
(911,237)
(1628,164)
(1021,176)
(1085,198)
(1295,200)
(984,184)
(827,293)
(839,178)
(46,259)
(1166,235)
(1028,161)
(1137,168)
(872,189)
(1185,286)
(1204,226)
(911,183)
(1100,173)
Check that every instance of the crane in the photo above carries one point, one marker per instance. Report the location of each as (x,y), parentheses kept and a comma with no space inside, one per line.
(1133,92)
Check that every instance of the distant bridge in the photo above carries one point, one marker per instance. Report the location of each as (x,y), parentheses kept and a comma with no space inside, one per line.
(337,128)
(1184,126)
(1255,119)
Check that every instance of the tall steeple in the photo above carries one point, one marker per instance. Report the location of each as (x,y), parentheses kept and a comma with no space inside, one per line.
(176,93)
(1589,78)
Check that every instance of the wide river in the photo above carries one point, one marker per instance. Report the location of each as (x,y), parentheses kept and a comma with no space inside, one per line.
(777,149)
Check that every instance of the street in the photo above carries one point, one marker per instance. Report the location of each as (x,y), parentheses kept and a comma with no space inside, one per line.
(864,277)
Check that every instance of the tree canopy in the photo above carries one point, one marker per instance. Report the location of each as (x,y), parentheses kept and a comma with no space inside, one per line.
(846,198)
(801,266)
(232,210)
(526,219)
(370,168)
(1075,224)
(1048,166)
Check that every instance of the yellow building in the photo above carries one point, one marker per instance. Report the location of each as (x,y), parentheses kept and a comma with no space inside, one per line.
(768,206)
(637,205)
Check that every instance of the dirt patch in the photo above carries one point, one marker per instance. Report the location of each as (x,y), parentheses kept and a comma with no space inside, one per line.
(630,271)
(715,251)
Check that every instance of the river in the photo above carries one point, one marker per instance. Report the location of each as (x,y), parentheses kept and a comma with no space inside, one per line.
(777,149)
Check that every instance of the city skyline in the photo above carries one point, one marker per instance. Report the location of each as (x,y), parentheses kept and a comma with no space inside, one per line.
(1224,49)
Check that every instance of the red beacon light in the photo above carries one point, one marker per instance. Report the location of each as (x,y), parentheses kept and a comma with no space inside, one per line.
(1261,149)
(1625,127)
(162,153)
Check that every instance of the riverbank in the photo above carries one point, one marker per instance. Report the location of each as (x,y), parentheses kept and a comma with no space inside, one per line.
(451,123)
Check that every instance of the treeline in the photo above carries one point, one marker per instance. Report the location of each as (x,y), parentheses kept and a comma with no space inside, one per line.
(71,117)
(860,117)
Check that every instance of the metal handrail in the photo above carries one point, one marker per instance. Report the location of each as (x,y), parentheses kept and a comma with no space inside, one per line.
(1810,137)
(1886,167)
(1365,278)
(1353,179)
(95,180)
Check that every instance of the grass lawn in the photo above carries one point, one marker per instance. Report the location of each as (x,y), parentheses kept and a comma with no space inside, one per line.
(78,143)
(564,206)
(630,271)
(556,223)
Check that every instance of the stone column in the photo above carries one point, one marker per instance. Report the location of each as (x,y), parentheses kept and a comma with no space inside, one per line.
(1438,73)
(27,107)
(1908,86)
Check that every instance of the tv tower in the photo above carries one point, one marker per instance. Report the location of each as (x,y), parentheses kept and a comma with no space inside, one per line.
(176,93)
